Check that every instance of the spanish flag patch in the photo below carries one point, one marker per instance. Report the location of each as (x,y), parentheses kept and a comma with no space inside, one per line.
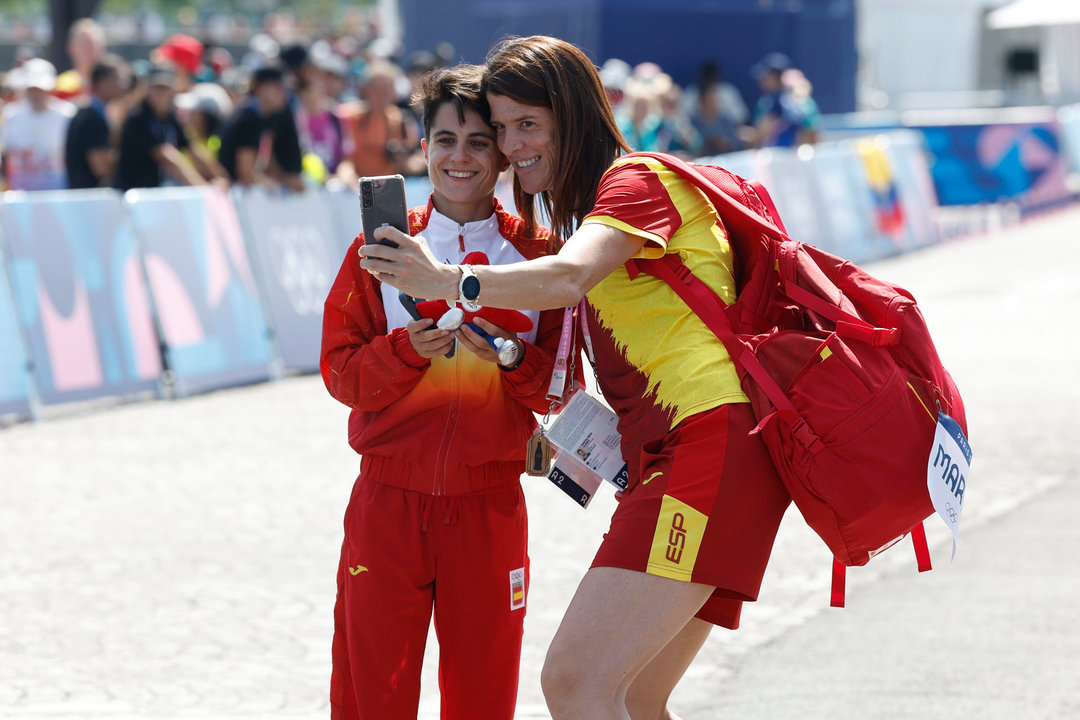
(517,589)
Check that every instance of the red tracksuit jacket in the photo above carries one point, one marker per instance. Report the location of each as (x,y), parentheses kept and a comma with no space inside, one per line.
(462,428)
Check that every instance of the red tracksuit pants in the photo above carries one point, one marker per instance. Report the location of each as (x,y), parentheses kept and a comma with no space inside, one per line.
(406,553)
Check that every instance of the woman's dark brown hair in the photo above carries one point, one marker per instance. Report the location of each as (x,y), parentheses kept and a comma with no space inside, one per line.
(548,72)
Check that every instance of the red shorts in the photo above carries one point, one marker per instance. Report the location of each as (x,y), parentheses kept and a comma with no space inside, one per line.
(705,509)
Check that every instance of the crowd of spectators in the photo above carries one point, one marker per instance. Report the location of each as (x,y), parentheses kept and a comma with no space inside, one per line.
(291,115)
(710,117)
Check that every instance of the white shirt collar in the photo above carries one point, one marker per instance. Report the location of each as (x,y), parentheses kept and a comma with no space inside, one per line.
(443,224)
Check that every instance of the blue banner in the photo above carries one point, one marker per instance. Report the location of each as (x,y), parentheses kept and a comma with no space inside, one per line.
(204,293)
(296,249)
(1020,162)
(14,362)
(81,294)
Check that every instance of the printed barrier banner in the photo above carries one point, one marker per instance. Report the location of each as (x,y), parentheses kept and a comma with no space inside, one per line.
(206,301)
(417,190)
(1069,119)
(845,201)
(1020,162)
(110,296)
(911,173)
(14,362)
(862,199)
(345,211)
(791,183)
(81,294)
(296,249)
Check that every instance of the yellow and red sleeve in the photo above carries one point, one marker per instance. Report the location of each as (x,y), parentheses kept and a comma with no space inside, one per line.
(631,197)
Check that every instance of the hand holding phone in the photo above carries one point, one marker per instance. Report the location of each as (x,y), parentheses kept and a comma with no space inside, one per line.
(382,202)
(409,303)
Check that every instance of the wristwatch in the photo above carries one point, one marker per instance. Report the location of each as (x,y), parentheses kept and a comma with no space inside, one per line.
(468,289)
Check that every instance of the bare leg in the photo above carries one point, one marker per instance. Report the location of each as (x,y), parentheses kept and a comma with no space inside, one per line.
(618,621)
(647,697)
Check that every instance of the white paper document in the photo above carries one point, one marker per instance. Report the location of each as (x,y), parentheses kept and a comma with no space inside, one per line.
(586,430)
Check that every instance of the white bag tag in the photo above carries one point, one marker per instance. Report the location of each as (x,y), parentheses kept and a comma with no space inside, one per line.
(947,471)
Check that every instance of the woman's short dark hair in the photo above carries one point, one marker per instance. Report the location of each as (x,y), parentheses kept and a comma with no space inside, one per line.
(547,72)
(458,85)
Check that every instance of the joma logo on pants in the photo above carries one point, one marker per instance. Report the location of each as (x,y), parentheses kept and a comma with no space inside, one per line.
(676,538)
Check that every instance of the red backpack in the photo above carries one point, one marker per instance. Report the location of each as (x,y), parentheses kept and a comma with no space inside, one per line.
(839,367)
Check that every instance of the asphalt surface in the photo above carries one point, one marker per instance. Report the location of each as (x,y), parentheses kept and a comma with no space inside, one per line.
(177,559)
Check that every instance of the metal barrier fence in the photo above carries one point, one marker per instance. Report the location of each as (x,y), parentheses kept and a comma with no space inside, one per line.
(184,290)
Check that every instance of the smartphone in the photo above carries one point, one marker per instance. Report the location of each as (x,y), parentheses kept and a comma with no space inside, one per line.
(409,303)
(382,202)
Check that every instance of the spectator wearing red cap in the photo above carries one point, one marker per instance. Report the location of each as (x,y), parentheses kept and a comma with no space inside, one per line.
(185,53)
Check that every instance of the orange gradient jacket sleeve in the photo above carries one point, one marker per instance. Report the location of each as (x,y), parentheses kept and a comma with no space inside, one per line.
(363,365)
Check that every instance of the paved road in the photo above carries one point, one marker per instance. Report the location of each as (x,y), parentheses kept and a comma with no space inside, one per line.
(165,560)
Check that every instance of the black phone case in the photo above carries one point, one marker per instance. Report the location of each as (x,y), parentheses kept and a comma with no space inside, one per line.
(382,202)
(409,303)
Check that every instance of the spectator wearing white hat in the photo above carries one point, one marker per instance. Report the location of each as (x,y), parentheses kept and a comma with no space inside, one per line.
(33,132)
(202,112)
(614,75)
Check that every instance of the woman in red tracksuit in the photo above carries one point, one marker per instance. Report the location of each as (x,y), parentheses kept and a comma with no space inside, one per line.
(437,517)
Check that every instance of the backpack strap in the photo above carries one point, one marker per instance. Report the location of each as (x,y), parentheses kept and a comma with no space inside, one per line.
(708,306)
(922,551)
(839,570)
(839,584)
(767,201)
(723,202)
(847,324)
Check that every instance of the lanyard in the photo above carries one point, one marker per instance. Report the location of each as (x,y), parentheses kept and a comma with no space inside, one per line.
(585,333)
(558,373)
(557,386)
